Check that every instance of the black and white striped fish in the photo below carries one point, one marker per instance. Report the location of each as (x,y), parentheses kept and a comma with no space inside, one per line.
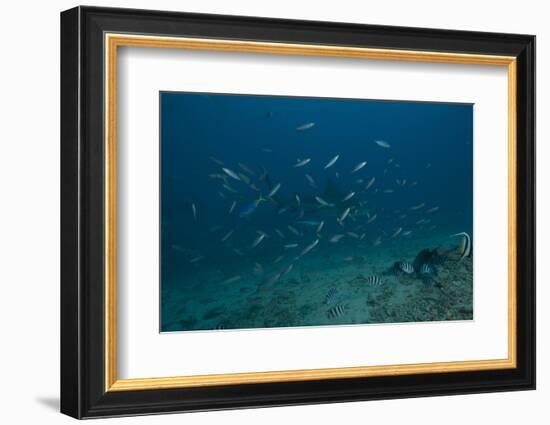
(466,245)
(406,267)
(426,269)
(373,280)
(330,298)
(337,311)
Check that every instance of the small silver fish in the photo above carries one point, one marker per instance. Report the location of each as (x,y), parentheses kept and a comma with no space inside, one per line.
(217,176)
(291,245)
(233,205)
(382,144)
(332,161)
(308,222)
(231,173)
(359,166)
(406,267)
(397,231)
(407,233)
(274,190)
(244,178)
(258,240)
(319,227)
(336,238)
(301,163)
(305,126)
(194,209)
(232,279)
(388,191)
(229,188)
(344,215)
(227,235)
(280,233)
(287,270)
(298,200)
(271,279)
(348,196)
(311,180)
(323,202)
(377,241)
(353,235)
(337,311)
(370,220)
(177,248)
(309,247)
(216,160)
(432,210)
(246,169)
(197,259)
(417,207)
(253,187)
(293,230)
(279,258)
(258,268)
(238,252)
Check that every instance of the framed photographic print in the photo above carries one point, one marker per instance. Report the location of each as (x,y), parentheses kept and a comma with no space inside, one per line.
(261,212)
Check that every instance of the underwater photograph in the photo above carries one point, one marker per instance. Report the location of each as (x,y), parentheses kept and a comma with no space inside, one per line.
(281,211)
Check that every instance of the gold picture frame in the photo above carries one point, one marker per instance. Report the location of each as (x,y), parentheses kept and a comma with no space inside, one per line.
(114,41)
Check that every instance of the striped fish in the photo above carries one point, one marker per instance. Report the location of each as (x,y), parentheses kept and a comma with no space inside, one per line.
(337,311)
(426,269)
(466,244)
(373,281)
(406,267)
(330,298)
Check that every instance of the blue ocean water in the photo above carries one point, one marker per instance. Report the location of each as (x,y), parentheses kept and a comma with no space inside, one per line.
(331,245)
